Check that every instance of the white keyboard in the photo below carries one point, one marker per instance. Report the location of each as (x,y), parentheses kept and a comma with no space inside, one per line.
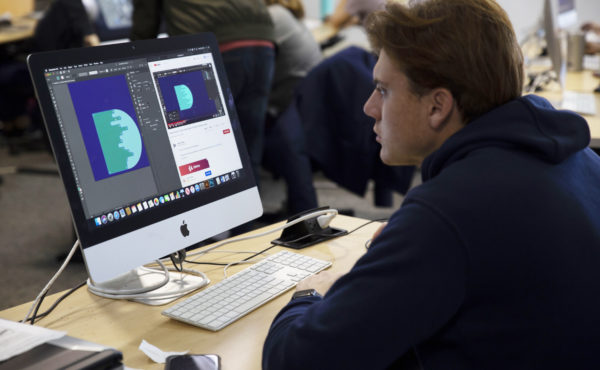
(223,303)
(583,103)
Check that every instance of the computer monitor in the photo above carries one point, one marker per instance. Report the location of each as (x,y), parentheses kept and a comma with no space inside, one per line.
(567,14)
(113,20)
(148,145)
(559,16)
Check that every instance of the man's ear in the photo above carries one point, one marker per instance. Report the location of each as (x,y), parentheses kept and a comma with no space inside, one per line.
(441,108)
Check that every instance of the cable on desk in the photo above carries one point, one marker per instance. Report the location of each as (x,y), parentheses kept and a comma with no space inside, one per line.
(246,260)
(52,280)
(261,252)
(54,305)
(226,265)
(229,263)
(367,223)
(207,263)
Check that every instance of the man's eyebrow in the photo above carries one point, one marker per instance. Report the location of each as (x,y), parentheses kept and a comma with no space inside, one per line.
(377,81)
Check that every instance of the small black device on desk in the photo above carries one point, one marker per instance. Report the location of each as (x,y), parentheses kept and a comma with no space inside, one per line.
(193,362)
(307,232)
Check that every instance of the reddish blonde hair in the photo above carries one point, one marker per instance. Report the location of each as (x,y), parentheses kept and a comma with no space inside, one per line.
(466,46)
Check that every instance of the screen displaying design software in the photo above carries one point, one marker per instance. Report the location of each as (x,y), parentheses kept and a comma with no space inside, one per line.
(185,96)
(108,125)
(141,133)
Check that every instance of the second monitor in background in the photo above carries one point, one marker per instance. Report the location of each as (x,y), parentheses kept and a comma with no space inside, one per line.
(112,19)
(560,17)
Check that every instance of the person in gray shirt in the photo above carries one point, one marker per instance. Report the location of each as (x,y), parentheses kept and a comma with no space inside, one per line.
(297,52)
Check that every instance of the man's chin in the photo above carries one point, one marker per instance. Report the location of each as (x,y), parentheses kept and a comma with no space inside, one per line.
(397,161)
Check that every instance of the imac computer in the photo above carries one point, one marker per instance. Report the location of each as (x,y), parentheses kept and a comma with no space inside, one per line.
(566,14)
(559,16)
(149,148)
(113,20)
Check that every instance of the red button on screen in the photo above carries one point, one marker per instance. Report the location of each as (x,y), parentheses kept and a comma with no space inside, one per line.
(193,167)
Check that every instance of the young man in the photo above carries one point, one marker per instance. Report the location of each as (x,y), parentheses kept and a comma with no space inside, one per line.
(491,263)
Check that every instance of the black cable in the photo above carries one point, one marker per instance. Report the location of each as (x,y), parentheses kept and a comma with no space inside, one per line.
(225,264)
(252,256)
(261,252)
(178,258)
(367,223)
(207,263)
(37,307)
(54,305)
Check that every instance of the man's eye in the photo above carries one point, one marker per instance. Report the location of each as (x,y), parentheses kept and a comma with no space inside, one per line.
(381,90)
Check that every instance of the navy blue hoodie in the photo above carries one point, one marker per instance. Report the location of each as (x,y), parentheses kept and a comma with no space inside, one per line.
(492,263)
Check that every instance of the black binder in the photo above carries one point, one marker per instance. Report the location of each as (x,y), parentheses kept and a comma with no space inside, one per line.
(66,353)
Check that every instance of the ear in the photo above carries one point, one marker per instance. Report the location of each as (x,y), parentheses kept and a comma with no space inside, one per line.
(441,108)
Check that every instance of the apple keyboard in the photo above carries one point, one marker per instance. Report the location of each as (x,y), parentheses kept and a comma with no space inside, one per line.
(228,300)
(584,103)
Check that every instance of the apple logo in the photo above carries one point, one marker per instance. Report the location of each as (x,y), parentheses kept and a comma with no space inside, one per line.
(184,229)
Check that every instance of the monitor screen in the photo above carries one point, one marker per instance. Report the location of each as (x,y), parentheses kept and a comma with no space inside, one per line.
(567,14)
(114,19)
(565,6)
(148,145)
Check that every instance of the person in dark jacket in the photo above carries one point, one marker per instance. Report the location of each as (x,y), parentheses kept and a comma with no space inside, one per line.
(492,262)
(65,24)
(245,34)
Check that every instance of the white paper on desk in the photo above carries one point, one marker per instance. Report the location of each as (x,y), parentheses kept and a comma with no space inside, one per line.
(156,354)
(17,338)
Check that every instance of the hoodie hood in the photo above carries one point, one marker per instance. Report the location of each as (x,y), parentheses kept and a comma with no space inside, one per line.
(528,124)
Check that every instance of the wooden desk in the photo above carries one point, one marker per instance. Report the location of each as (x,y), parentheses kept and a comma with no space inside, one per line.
(123,324)
(583,82)
(23,25)
(21,28)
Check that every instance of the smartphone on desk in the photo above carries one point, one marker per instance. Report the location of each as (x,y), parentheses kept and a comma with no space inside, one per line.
(193,362)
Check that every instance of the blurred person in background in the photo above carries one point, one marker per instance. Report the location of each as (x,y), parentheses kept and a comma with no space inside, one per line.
(592,47)
(244,31)
(65,24)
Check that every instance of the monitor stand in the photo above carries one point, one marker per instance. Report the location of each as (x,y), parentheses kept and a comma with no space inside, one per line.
(143,277)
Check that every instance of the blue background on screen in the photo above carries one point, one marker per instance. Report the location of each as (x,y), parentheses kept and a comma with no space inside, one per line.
(202,106)
(97,95)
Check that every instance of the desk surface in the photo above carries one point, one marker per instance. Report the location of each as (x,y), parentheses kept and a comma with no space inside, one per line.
(20,29)
(583,82)
(123,324)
